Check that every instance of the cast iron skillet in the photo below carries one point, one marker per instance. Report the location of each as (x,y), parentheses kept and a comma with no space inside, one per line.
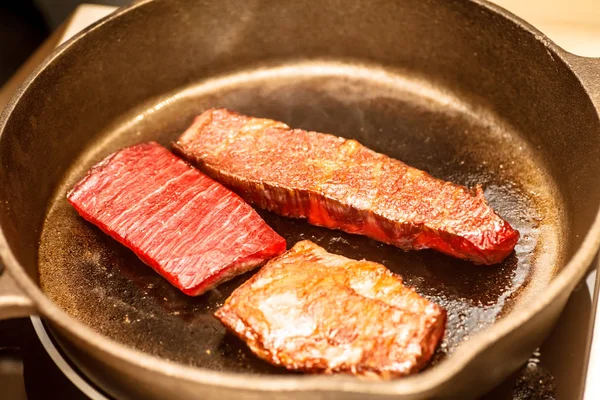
(461,89)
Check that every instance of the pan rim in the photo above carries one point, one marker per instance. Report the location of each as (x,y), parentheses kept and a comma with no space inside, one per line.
(419,384)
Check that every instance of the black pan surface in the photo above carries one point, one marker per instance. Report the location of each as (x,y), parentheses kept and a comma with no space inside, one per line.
(104,285)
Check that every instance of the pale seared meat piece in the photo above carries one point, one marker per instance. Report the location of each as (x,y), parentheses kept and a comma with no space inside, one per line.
(313,311)
(341,184)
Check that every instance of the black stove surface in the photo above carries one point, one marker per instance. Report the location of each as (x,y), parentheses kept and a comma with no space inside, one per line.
(27,372)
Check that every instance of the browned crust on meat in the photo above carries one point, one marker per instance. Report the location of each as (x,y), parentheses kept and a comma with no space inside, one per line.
(313,311)
(341,184)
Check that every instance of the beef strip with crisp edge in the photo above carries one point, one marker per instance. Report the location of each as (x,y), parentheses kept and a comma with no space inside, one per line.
(340,184)
(313,311)
(190,229)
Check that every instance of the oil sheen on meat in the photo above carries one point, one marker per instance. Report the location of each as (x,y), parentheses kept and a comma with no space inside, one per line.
(341,184)
(190,229)
(313,311)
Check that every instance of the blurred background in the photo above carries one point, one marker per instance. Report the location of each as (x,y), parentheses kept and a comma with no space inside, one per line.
(24,24)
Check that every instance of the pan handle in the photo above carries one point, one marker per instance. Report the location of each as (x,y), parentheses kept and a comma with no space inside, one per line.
(588,71)
(13,302)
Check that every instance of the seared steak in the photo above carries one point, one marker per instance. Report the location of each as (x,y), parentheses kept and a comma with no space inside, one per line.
(313,311)
(341,184)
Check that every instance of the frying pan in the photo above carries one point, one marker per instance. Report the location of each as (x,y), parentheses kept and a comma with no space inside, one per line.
(461,89)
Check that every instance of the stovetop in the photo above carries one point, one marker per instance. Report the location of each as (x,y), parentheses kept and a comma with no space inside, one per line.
(27,371)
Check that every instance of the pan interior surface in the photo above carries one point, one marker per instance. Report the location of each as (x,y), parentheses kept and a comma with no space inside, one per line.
(104,285)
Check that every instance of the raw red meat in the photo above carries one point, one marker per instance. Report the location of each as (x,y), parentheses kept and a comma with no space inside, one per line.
(341,184)
(190,229)
(313,311)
